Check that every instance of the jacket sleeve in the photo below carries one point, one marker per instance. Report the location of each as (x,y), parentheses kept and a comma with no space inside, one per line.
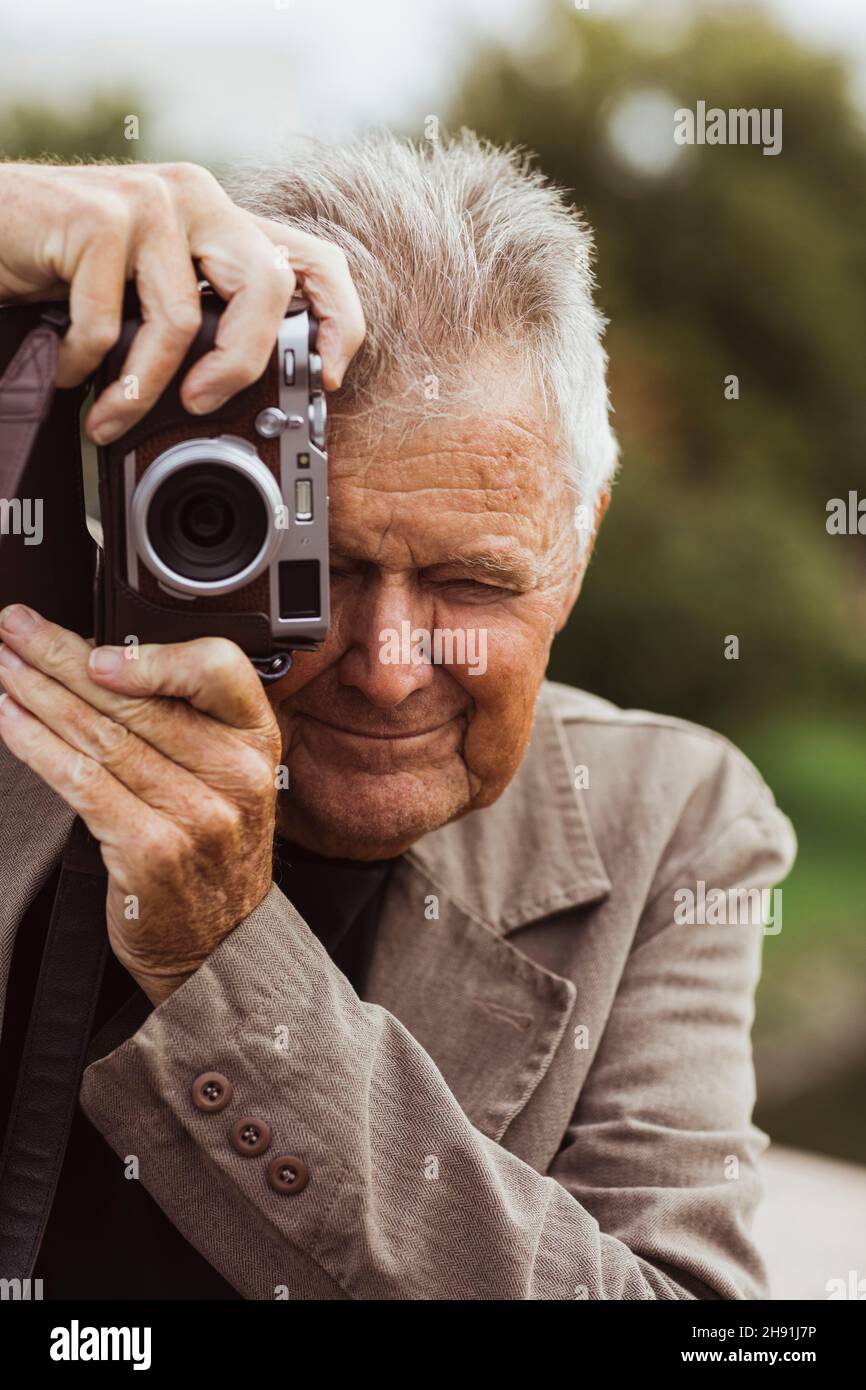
(649,1196)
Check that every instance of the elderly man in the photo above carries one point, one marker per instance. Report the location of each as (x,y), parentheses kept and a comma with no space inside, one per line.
(422,1018)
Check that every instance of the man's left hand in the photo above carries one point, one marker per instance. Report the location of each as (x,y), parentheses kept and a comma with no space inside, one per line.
(170,759)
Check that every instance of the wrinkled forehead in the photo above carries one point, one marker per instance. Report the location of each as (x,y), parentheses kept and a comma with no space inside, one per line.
(409,489)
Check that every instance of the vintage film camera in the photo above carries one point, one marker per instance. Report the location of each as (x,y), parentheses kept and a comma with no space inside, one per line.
(218,524)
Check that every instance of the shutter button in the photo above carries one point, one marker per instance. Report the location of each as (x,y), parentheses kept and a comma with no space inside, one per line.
(250,1137)
(288,1174)
(211,1091)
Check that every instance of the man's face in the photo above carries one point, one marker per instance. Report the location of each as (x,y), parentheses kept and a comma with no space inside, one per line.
(459,525)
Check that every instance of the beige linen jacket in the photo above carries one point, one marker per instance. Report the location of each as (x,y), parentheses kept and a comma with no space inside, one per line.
(546,1092)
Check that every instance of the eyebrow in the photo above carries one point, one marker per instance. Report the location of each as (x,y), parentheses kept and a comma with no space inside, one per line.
(502,569)
(492,566)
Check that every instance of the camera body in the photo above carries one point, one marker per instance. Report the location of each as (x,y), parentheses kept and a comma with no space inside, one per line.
(217,525)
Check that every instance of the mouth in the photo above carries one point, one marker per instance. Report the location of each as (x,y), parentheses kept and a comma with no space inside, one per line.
(385,735)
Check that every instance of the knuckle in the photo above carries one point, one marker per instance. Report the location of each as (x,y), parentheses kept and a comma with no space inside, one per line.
(216,831)
(150,197)
(101,334)
(138,711)
(137,184)
(83,772)
(225,822)
(147,183)
(259,775)
(109,213)
(188,175)
(56,654)
(183,318)
(109,738)
(165,852)
(221,656)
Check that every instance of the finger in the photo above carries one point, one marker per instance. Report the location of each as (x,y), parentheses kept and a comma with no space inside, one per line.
(171,317)
(239,261)
(105,806)
(322,270)
(212,673)
(140,767)
(185,735)
(95,303)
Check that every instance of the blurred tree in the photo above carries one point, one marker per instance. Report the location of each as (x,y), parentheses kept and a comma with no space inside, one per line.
(712,261)
(95,130)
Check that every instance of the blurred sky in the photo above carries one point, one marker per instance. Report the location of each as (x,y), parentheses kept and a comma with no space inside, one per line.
(228,77)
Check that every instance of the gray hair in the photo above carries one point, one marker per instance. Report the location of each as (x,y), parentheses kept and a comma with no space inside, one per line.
(456,247)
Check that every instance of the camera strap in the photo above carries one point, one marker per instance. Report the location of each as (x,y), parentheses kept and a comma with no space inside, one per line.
(41,483)
(26,393)
(54,1054)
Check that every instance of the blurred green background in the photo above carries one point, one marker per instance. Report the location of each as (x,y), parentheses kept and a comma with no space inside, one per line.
(711,262)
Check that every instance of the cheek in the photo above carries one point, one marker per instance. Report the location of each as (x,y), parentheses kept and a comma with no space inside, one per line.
(515,642)
(504,696)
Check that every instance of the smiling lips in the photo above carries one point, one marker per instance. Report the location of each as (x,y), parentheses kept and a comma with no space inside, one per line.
(383,736)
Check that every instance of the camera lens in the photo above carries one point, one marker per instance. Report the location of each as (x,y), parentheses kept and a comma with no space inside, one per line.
(207,522)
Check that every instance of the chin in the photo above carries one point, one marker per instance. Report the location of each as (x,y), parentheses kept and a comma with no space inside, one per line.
(358,815)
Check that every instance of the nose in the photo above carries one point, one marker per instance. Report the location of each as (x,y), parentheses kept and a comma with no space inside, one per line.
(376,627)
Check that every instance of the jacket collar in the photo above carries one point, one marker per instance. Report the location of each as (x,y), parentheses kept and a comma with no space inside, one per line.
(531,853)
(491,1017)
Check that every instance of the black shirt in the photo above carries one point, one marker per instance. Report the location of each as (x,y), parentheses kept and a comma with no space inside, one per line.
(106,1236)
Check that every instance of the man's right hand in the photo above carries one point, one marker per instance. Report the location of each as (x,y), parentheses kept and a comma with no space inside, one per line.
(84,230)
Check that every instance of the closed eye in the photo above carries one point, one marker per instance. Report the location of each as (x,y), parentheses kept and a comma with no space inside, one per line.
(467,583)
(464,584)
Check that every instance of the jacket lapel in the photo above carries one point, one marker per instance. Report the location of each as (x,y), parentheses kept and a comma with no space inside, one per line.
(34,826)
(442,964)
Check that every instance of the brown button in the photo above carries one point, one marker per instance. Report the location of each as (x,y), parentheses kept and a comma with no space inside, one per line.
(288,1174)
(250,1137)
(211,1091)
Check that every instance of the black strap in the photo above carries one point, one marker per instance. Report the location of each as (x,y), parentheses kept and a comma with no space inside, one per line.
(26,393)
(40,458)
(53,1059)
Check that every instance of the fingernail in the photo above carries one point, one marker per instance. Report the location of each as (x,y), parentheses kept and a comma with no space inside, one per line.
(17,619)
(11,660)
(8,708)
(108,430)
(105,659)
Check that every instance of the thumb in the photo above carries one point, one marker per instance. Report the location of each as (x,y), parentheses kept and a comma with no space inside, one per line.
(212,673)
